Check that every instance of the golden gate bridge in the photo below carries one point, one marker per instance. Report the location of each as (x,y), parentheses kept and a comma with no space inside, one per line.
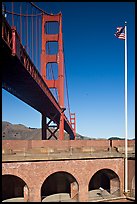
(33,65)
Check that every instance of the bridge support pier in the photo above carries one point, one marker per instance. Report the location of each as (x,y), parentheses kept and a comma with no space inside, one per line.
(49,130)
(44,131)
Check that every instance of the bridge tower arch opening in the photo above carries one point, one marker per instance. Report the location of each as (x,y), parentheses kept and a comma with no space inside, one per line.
(107,180)
(13,188)
(59,186)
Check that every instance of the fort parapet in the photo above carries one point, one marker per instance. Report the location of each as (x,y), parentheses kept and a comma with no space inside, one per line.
(74,169)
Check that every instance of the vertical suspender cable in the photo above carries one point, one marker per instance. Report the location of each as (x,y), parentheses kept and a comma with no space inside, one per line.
(15,22)
(67,94)
(18,24)
(20,21)
(27,29)
(32,34)
(17,17)
(12,14)
(29,48)
(36,43)
(39,23)
(66,83)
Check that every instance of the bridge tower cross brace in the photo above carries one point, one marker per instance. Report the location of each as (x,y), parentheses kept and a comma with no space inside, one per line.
(56,58)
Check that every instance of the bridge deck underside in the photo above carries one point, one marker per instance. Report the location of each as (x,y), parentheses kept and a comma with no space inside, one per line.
(18,81)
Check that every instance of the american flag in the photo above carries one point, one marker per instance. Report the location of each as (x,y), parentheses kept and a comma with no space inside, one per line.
(120,33)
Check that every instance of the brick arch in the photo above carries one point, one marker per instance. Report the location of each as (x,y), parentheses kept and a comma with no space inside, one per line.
(25,177)
(62,169)
(64,182)
(70,167)
(111,166)
(107,179)
(16,175)
(13,186)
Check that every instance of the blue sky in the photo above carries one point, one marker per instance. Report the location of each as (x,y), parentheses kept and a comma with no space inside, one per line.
(94,62)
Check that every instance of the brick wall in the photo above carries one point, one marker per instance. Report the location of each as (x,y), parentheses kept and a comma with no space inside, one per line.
(95,144)
(121,143)
(35,173)
(131,172)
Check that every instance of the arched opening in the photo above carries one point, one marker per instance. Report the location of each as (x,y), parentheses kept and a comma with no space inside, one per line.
(59,186)
(14,189)
(104,183)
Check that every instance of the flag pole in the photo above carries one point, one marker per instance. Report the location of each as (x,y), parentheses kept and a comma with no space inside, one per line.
(126,130)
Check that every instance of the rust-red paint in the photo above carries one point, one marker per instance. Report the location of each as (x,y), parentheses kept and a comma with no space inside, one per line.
(13,40)
(58,58)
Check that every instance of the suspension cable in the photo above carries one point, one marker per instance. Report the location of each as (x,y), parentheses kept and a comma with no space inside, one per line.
(25,15)
(38,19)
(27,28)
(32,35)
(21,22)
(39,8)
(34,14)
(12,14)
(36,42)
(66,82)
(29,15)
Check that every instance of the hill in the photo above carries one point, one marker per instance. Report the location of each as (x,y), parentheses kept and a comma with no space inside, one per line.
(21,132)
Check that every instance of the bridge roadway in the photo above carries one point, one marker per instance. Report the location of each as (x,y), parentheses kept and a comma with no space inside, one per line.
(21,78)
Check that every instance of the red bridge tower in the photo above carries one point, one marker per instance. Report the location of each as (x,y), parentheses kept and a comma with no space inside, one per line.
(59,82)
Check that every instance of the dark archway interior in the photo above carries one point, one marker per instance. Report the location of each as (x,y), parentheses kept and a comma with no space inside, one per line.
(59,182)
(100,180)
(12,187)
(106,179)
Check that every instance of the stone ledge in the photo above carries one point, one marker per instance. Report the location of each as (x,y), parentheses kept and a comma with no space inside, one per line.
(25,156)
